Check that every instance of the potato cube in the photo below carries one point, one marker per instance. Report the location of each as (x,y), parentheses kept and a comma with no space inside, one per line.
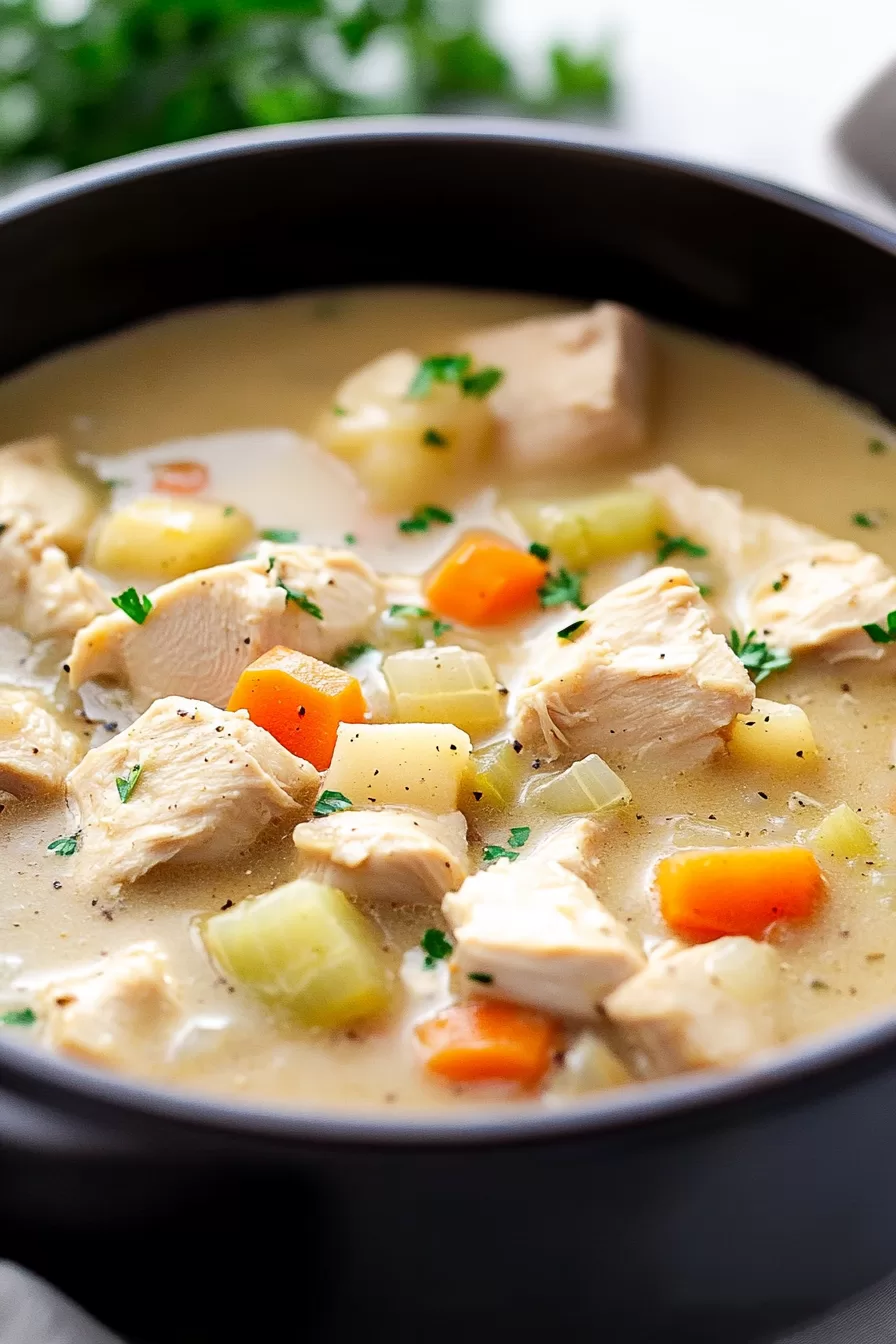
(400,764)
(158,537)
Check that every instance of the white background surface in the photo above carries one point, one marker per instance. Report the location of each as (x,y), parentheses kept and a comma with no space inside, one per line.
(750,84)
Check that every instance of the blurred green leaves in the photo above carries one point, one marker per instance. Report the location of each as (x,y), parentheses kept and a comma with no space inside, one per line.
(84,80)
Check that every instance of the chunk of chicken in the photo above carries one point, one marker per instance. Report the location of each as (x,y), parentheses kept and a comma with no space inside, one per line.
(540,934)
(35,480)
(206,628)
(645,677)
(797,588)
(36,752)
(40,592)
(394,854)
(703,1007)
(106,1012)
(574,387)
(210,782)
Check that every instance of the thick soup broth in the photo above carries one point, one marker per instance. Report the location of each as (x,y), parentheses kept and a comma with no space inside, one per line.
(240,390)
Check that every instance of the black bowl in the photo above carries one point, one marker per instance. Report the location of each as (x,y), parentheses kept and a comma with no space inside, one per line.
(707,1208)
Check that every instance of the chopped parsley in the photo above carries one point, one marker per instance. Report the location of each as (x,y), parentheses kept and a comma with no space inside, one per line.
(519,835)
(339,410)
(517,838)
(65,846)
(570,631)
(481,977)
(540,552)
(879,634)
(876,446)
(457,370)
(562,587)
(301,600)
(351,654)
(350,539)
(282,535)
(133,604)
(440,627)
(779,584)
(401,610)
(704,590)
(433,439)
(128,784)
(436,946)
(669,546)
(759,660)
(421,518)
(113,482)
(229,511)
(863,520)
(331,801)
(19,1017)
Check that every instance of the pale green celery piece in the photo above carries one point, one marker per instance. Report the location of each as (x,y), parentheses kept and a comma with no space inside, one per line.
(495,774)
(305,948)
(444,685)
(598,527)
(843,835)
(587,786)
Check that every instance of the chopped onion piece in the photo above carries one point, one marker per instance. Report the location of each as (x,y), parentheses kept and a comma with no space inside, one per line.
(494,777)
(589,1065)
(597,527)
(587,786)
(444,685)
(843,835)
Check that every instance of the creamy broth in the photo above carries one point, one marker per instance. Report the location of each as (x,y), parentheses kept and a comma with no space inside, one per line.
(239,388)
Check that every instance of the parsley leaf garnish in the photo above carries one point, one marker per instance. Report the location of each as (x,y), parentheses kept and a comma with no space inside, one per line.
(401,609)
(704,590)
(128,784)
(283,535)
(879,634)
(562,587)
(421,518)
(339,410)
(350,539)
(456,369)
(519,835)
(19,1017)
(570,631)
(133,604)
(759,660)
(481,383)
(481,977)
(677,546)
(876,446)
(433,439)
(65,846)
(331,801)
(301,600)
(865,520)
(540,552)
(440,627)
(436,946)
(351,654)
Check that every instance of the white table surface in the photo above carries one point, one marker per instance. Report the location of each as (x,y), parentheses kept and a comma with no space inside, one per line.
(749,84)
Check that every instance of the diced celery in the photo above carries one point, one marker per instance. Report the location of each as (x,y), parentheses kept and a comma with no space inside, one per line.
(400,764)
(494,776)
(447,685)
(305,947)
(597,527)
(587,786)
(772,735)
(843,835)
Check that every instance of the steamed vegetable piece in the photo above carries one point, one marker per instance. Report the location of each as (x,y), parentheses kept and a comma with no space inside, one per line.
(589,1065)
(400,764)
(773,735)
(446,685)
(705,893)
(164,538)
(587,786)
(597,527)
(405,448)
(300,701)
(494,777)
(305,948)
(843,835)
(180,478)
(486,580)
(488,1041)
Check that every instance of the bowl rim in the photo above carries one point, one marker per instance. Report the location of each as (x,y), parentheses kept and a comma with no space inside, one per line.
(32,1073)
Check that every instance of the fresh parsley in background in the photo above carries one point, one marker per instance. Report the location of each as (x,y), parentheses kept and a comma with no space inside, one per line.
(85,80)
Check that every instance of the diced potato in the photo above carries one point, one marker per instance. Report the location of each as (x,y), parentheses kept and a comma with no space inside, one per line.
(746,969)
(306,948)
(447,685)
(400,764)
(589,1065)
(587,786)
(772,735)
(843,835)
(406,451)
(597,527)
(163,538)
(494,777)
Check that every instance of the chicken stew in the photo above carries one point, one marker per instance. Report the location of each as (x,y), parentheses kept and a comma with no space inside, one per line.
(425,698)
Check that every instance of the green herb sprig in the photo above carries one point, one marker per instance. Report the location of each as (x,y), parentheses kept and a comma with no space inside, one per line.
(562,587)
(133,604)
(456,370)
(756,656)
(128,784)
(436,946)
(668,546)
(332,801)
(881,635)
(421,518)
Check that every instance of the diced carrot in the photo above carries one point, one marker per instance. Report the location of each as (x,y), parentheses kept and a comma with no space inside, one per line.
(180,478)
(300,701)
(705,893)
(484,1040)
(486,580)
